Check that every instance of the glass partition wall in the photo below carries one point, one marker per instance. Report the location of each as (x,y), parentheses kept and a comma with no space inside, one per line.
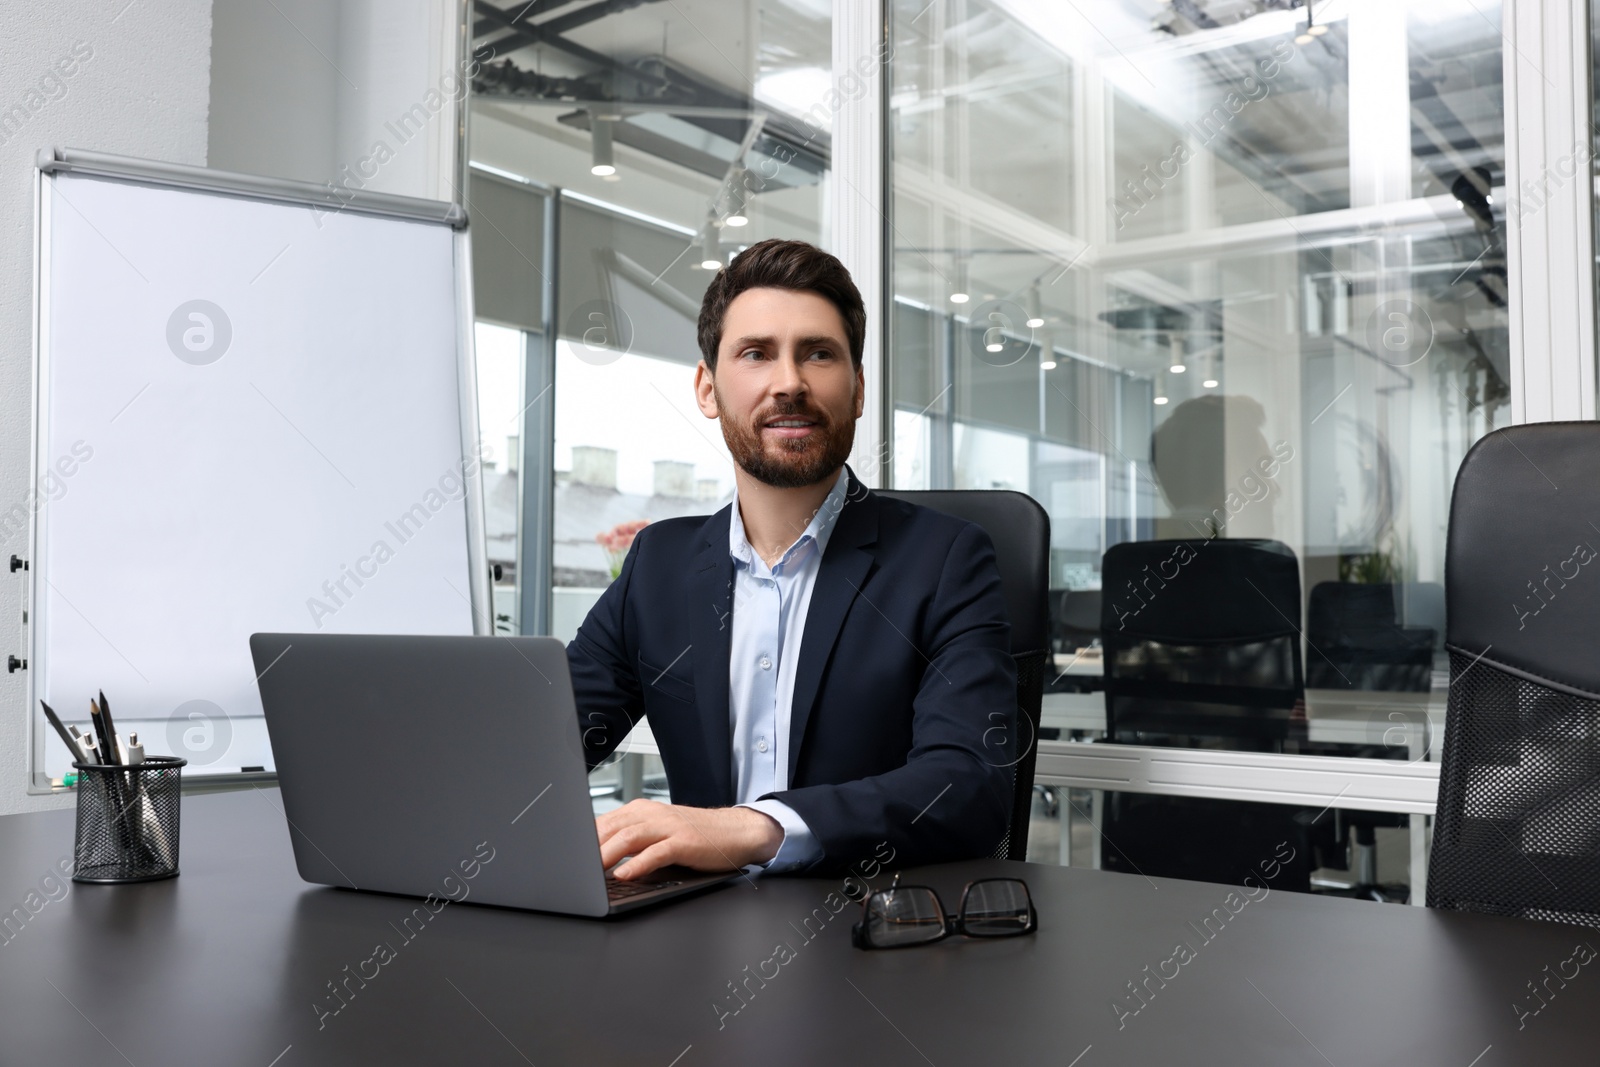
(621,153)
(1222,285)
(1224,288)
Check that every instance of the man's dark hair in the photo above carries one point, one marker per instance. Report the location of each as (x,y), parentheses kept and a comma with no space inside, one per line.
(779,264)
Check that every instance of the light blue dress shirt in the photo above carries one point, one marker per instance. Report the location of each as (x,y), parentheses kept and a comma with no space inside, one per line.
(769,620)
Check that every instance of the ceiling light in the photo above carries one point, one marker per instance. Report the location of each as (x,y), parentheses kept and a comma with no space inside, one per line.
(959,294)
(1178,366)
(1312,31)
(736,215)
(1047,352)
(1035,318)
(1161,391)
(710,246)
(1210,383)
(600,147)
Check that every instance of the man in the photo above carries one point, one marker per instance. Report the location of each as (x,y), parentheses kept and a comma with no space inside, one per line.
(827,672)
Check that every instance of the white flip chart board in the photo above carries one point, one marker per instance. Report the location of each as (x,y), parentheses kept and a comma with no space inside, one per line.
(254,412)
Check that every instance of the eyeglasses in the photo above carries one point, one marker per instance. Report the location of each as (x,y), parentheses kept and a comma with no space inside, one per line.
(914,914)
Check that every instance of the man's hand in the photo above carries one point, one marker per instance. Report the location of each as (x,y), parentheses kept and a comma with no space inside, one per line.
(705,839)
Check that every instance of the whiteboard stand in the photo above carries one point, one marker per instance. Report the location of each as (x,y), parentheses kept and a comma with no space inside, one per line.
(338,378)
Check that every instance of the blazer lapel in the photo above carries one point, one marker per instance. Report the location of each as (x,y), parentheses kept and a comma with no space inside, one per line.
(843,572)
(710,609)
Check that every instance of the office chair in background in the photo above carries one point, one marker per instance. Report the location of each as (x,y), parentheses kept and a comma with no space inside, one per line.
(1202,649)
(1359,642)
(1517,830)
(1020,530)
(1076,622)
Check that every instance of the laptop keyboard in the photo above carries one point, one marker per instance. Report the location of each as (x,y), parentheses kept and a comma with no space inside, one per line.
(617,889)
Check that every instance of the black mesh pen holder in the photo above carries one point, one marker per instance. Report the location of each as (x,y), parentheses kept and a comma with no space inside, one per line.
(128,820)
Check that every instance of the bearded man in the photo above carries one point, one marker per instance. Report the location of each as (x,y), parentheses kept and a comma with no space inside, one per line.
(823,668)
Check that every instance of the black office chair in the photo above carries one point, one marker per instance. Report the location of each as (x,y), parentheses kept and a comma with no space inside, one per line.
(1201,639)
(1020,530)
(1202,650)
(1517,830)
(1076,622)
(1359,642)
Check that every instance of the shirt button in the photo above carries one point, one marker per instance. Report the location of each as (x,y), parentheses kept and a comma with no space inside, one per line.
(766,664)
(761,746)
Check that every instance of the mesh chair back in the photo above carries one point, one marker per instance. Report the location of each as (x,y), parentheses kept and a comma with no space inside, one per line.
(1518,824)
(1020,530)
(1201,637)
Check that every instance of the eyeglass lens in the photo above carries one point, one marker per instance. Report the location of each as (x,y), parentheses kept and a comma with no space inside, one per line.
(904,917)
(996,907)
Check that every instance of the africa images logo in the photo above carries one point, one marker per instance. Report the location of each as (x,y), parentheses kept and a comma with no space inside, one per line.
(199,332)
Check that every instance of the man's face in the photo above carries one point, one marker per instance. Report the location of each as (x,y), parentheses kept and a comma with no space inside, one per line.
(785,389)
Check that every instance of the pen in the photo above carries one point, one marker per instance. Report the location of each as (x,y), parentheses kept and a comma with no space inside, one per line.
(135,749)
(104,751)
(72,746)
(85,743)
(111,730)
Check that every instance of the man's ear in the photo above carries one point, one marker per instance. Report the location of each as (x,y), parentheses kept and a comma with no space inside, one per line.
(705,391)
(861,390)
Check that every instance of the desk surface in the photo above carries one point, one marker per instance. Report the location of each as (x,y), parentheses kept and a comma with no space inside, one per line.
(226,964)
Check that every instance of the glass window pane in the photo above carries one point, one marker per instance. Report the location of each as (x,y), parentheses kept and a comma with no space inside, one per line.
(499,358)
(1209,274)
(675,135)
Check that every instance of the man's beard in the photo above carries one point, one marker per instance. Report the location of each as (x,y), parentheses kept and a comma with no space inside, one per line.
(792,463)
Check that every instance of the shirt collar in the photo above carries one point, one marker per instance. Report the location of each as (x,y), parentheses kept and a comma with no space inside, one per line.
(819,529)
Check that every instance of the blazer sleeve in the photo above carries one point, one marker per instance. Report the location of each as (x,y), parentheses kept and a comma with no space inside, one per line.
(600,658)
(952,797)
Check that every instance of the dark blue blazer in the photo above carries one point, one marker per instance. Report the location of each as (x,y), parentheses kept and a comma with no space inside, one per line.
(904,700)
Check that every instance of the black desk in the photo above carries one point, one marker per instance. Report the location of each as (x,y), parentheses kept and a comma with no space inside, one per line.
(226,964)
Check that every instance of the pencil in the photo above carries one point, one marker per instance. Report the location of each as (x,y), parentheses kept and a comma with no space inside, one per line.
(72,746)
(111,730)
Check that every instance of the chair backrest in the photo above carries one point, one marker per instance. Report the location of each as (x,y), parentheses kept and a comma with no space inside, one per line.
(1201,637)
(1077,617)
(1359,642)
(1517,830)
(1020,530)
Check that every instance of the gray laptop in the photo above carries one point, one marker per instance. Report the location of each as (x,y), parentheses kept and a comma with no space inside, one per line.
(442,765)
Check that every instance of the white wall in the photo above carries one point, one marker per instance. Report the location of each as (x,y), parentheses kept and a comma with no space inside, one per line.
(142,90)
(360,93)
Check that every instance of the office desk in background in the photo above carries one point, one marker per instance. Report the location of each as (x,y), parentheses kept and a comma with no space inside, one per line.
(234,961)
(1332,715)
